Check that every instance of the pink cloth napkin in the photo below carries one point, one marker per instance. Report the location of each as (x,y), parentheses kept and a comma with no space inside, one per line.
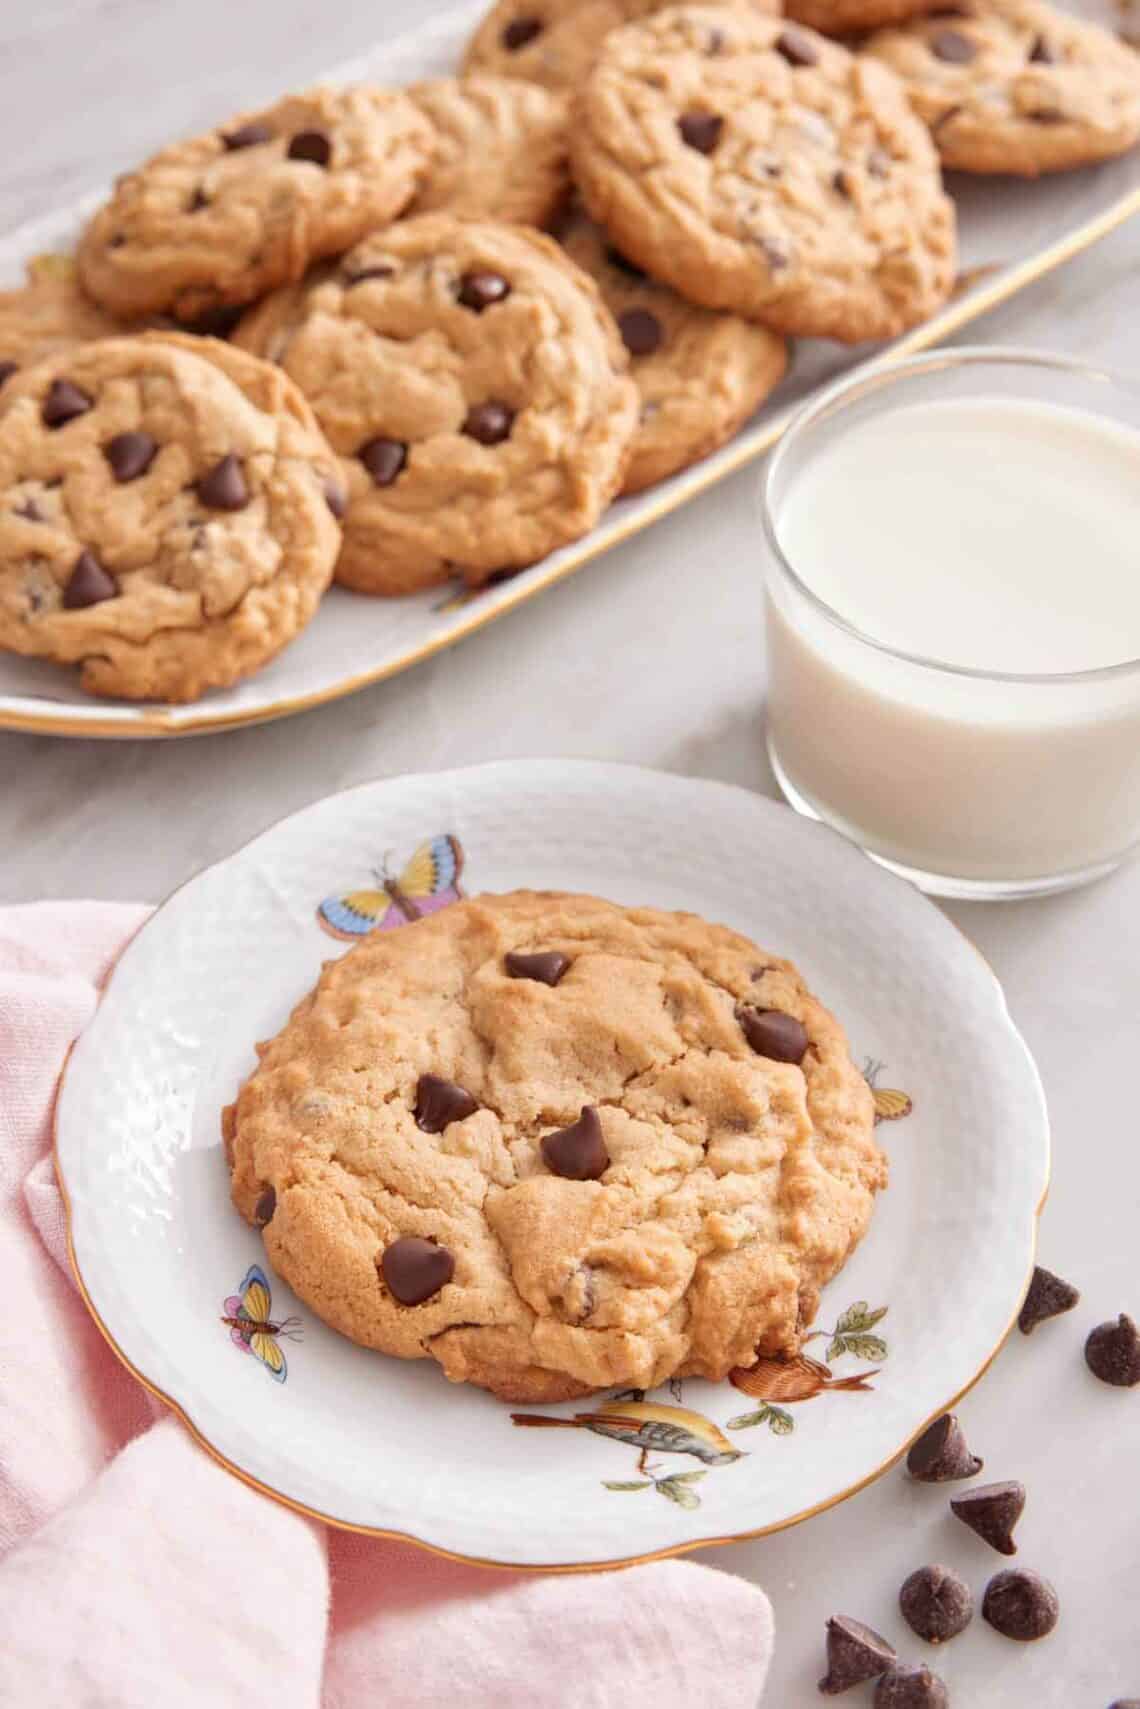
(134,1571)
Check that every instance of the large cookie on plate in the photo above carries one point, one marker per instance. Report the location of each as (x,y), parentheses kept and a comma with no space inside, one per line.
(559,1145)
(758,167)
(165,520)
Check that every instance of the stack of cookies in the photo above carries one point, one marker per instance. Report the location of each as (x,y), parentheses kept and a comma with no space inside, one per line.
(401,336)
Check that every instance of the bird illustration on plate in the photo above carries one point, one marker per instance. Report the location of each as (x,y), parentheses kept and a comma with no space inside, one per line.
(429,882)
(246,1316)
(650,1428)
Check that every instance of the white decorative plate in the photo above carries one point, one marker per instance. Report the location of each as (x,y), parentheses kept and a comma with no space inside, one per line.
(386,1446)
(1010,233)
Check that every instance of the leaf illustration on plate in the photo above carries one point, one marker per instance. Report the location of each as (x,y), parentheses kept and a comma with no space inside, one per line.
(859,1316)
(779,1422)
(609,1483)
(674,1490)
(871,1347)
(687,1477)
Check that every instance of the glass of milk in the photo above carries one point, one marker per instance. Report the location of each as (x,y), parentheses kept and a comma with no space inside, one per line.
(953,603)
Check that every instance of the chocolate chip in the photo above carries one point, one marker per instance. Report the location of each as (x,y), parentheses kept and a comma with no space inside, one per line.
(384,459)
(1041,53)
(936,1603)
(854,1653)
(519,32)
(264,1208)
(953,47)
(489,423)
(414,1270)
(198,201)
(878,163)
(217,322)
(116,240)
(1112,1353)
(380,271)
(841,184)
(992,1510)
(88,584)
(130,455)
(313,146)
(65,400)
(546,966)
(773,1034)
(910,1688)
(577,1153)
(641,331)
(1046,116)
(1048,1296)
(1020,1604)
(247,136)
(1125,1703)
(441,1102)
(336,498)
(479,291)
(940,1456)
(29,510)
(701,130)
(7,369)
(224,487)
(774,254)
(715,43)
(796,49)
(623,263)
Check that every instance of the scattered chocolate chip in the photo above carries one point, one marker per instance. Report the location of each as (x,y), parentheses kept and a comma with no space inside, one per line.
(936,1603)
(7,369)
(380,271)
(519,32)
(953,47)
(1048,1296)
(701,130)
(217,322)
(577,1153)
(910,1688)
(879,163)
(198,201)
(546,966)
(130,455)
(65,400)
(841,184)
(489,423)
(641,331)
(224,487)
(992,1510)
(940,1455)
(1112,1353)
(796,49)
(336,498)
(441,1102)
(29,510)
(773,1034)
(264,1208)
(247,136)
(88,584)
(1041,53)
(854,1653)
(479,291)
(623,263)
(414,1270)
(384,459)
(313,146)
(1020,1604)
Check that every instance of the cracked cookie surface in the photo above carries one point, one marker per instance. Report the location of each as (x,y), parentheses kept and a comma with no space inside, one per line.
(758,167)
(413,1146)
(1015,86)
(700,374)
(475,387)
(501,149)
(165,521)
(47,313)
(224,217)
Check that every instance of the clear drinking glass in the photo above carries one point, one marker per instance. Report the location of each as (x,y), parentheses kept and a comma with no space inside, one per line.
(968,782)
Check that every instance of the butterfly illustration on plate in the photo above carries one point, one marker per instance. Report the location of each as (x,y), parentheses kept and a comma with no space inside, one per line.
(430,881)
(246,1315)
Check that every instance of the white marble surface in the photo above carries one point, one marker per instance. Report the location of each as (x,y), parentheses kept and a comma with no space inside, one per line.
(654,655)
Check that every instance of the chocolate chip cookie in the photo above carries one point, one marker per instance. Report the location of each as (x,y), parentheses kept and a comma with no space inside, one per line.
(558,1145)
(758,167)
(1014,86)
(224,217)
(475,387)
(556,42)
(165,519)
(501,149)
(700,374)
(47,313)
